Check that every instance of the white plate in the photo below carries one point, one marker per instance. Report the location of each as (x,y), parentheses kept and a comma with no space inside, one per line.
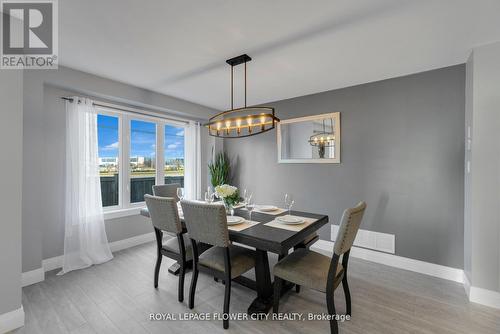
(267,208)
(290,220)
(234,220)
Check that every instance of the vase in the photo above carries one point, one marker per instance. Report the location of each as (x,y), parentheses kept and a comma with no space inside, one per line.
(229,209)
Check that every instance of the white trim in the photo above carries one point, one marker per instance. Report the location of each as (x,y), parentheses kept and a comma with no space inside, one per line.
(382,242)
(52,263)
(431,269)
(32,277)
(485,297)
(467,285)
(131,242)
(147,114)
(118,213)
(56,262)
(11,320)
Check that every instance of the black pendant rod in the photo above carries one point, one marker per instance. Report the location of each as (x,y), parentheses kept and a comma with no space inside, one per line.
(245,84)
(242,59)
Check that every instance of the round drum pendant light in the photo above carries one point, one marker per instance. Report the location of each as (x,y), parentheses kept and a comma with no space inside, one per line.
(241,122)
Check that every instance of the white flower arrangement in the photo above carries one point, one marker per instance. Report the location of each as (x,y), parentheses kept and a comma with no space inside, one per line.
(224,191)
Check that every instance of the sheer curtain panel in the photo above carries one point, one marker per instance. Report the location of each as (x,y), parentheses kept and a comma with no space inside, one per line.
(192,175)
(85,241)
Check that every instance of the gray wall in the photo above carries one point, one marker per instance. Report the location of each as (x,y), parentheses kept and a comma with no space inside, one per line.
(44,154)
(11,129)
(483,191)
(402,152)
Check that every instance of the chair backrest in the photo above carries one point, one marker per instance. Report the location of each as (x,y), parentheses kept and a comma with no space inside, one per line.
(206,222)
(349,226)
(164,213)
(166,190)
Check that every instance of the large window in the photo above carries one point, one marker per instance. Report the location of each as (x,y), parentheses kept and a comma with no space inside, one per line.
(141,144)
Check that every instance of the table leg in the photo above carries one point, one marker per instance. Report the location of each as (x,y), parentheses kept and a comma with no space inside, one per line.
(263,303)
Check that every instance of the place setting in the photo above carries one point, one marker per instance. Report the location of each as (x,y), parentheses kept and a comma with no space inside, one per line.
(231,199)
(289,221)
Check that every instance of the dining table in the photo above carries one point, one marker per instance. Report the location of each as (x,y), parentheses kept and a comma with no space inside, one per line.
(269,239)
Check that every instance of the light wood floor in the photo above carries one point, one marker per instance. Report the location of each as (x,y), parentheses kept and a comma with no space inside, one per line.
(118,296)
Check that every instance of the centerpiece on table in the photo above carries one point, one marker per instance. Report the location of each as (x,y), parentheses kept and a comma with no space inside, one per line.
(229,195)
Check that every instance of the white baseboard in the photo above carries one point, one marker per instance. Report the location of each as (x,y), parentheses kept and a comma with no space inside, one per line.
(485,297)
(11,320)
(383,242)
(431,269)
(56,262)
(32,277)
(131,242)
(467,285)
(52,263)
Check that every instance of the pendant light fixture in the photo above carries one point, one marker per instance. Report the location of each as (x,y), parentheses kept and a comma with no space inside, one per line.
(241,122)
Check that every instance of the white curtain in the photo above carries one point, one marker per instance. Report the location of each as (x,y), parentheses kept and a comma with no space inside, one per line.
(85,241)
(192,174)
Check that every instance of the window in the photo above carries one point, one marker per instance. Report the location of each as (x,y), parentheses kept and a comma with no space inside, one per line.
(142,159)
(108,142)
(174,154)
(141,144)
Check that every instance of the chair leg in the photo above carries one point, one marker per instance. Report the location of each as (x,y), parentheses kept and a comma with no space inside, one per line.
(297,288)
(347,294)
(277,293)
(227,298)
(192,290)
(182,274)
(330,303)
(157,269)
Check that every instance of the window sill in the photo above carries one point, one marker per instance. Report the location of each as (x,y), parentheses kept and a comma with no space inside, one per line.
(119,213)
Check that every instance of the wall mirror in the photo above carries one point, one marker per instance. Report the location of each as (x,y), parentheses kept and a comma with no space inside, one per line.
(310,139)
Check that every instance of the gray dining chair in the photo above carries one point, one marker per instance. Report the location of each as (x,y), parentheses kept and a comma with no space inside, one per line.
(166,190)
(319,272)
(207,223)
(165,217)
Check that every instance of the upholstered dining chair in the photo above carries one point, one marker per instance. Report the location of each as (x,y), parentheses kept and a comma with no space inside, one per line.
(207,223)
(166,190)
(165,217)
(320,272)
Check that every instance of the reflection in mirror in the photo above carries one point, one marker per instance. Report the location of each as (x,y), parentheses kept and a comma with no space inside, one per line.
(312,139)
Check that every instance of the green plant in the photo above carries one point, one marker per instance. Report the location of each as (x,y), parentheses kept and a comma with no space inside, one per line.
(219,169)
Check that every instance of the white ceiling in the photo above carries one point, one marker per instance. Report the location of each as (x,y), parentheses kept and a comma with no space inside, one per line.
(301,47)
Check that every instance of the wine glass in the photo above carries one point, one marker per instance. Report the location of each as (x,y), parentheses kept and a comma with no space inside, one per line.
(289,203)
(209,197)
(249,205)
(180,193)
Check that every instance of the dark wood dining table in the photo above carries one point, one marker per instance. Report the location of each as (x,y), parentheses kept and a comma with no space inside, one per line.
(268,239)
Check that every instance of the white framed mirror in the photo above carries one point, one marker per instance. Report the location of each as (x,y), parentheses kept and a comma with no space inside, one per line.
(310,139)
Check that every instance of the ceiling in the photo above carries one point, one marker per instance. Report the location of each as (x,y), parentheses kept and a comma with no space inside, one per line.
(179,47)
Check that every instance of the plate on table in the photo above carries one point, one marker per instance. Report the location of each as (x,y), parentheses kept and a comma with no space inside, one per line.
(234,220)
(267,208)
(290,220)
